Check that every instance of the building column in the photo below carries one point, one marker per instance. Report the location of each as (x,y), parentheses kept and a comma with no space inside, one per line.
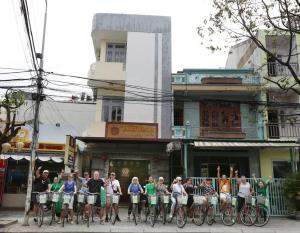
(293,159)
(185,159)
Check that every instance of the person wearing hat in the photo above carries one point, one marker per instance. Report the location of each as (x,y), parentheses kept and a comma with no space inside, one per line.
(41,184)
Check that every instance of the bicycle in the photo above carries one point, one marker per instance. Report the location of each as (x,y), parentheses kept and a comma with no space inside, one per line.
(247,213)
(261,211)
(91,201)
(42,199)
(180,211)
(164,201)
(115,198)
(228,213)
(152,202)
(212,200)
(135,200)
(54,197)
(67,201)
(81,200)
(198,214)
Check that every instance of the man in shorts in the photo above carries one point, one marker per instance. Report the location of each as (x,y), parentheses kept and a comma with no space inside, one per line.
(41,184)
(224,187)
(94,185)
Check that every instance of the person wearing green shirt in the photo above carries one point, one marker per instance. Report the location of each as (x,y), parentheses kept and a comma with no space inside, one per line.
(261,186)
(55,187)
(150,189)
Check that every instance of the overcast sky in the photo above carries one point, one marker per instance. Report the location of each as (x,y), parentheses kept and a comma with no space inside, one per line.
(69,47)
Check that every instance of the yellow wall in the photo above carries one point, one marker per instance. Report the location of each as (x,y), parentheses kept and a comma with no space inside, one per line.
(109,71)
(267,156)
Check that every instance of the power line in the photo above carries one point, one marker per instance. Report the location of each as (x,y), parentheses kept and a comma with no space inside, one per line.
(16,72)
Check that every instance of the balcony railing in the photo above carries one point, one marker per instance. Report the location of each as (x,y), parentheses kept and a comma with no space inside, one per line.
(199,80)
(254,133)
(276,69)
(277,131)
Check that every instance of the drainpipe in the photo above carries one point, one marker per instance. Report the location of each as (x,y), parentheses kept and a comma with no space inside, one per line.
(293,159)
(185,148)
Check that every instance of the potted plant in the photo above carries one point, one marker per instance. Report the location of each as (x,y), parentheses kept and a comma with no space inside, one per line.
(292,193)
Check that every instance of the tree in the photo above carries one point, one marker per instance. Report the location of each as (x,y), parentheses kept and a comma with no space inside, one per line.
(8,106)
(239,20)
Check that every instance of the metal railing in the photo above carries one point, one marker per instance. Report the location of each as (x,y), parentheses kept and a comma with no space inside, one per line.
(182,79)
(283,131)
(276,69)
(277,202)
(255,133)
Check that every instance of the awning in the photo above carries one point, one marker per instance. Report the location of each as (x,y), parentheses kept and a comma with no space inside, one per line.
(208,144)
(41,157)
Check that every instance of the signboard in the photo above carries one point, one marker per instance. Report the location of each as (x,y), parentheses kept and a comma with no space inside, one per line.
(70,150)
(131,130)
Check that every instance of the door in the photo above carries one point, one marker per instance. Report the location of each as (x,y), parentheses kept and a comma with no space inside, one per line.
(126,169)
(273,124)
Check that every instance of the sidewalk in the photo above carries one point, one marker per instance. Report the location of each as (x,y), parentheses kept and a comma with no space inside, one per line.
(275,225)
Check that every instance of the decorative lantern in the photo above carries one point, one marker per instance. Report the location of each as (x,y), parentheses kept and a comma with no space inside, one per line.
(6,147)
(20,145)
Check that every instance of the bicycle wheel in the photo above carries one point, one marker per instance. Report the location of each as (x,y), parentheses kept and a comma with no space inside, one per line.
(64,215)
(228,216)
(134,211)
(164,208)
(40,215)
(262,216)
(152,215)
(78,213)
(198,215)
(52,213)
(210,215)
(181,217)
(248,215)
(113,215)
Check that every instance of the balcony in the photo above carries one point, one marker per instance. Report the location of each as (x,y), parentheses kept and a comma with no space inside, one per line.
(276,69)
(112,71)
(247,133)
(178,79)
(283,131)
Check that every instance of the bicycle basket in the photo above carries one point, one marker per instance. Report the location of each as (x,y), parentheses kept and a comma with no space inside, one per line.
(233,201)
(152,200)
(115,199)
(261,200)
(135,199)
(67,199)
(198,199)
(91,199)
(166,199)
(43,198)
(213,200)
(182,200)
(80,198)
(55,197)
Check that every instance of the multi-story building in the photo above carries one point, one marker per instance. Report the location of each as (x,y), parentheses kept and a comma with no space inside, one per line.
(281,111)
(131,73)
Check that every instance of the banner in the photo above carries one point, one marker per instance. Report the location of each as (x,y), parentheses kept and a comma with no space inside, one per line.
(70,151)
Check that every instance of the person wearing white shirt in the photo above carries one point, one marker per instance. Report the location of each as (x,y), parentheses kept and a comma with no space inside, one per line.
(177,190)
(112,186)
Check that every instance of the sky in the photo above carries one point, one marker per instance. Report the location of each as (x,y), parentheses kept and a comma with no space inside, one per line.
(69,47)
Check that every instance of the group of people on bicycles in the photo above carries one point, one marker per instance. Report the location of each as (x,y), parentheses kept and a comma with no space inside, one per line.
(110,186)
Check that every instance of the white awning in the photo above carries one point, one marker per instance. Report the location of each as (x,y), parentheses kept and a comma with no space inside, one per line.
(209,144)
(41,157)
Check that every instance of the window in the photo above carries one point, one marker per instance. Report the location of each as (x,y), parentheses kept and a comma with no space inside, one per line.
(116,53)
(218,116)
(112,110)
(281,168)
(178,114)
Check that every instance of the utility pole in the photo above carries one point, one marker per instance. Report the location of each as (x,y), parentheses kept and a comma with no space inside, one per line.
(35,135)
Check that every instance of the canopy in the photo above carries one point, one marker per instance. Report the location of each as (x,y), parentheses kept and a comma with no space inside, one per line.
(43,157)
(211,144)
